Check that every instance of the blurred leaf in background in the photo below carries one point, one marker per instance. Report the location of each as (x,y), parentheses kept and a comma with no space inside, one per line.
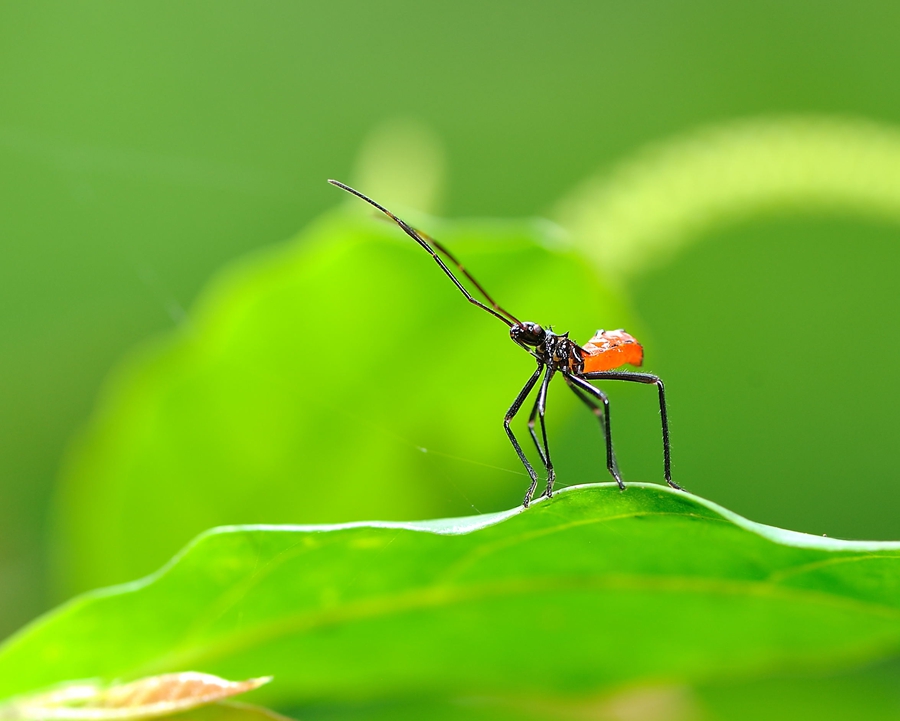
(342,377)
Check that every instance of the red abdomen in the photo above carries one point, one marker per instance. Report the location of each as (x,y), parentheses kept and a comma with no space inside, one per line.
(610,349)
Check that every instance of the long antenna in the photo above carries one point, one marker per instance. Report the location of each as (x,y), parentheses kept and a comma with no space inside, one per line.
(443,250)
(495,310)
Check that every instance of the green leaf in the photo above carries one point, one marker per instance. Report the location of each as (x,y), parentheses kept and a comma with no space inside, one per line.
(230,711)
(637,216)
(337,378)
(575,596)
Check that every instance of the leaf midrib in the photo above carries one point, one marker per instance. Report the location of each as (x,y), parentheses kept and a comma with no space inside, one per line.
(207,652)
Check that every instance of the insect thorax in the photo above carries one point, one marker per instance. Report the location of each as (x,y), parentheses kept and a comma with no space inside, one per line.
(561,353)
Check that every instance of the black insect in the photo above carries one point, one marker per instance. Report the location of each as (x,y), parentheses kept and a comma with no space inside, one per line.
(555,353)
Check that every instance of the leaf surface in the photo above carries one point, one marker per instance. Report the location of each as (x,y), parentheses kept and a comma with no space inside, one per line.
(579,594)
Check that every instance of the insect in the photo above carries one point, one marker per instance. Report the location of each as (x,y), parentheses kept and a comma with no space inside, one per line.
(598,359)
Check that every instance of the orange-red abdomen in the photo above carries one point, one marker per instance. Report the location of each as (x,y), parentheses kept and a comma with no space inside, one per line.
(611,349)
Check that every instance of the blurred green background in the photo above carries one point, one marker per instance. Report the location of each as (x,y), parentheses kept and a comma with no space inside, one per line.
(143,146)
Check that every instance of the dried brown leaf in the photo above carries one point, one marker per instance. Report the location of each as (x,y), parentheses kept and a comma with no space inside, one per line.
(146,698)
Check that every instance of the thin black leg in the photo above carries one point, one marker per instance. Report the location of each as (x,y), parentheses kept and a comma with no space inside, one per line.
(531,421)
(575,383)
(510,414)
(541,406)
(647,379)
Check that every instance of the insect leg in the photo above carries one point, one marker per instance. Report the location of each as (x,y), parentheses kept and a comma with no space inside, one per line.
(647,379)
(531,421)
(576,384)
(541,406)
(540,403)
(510,414)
